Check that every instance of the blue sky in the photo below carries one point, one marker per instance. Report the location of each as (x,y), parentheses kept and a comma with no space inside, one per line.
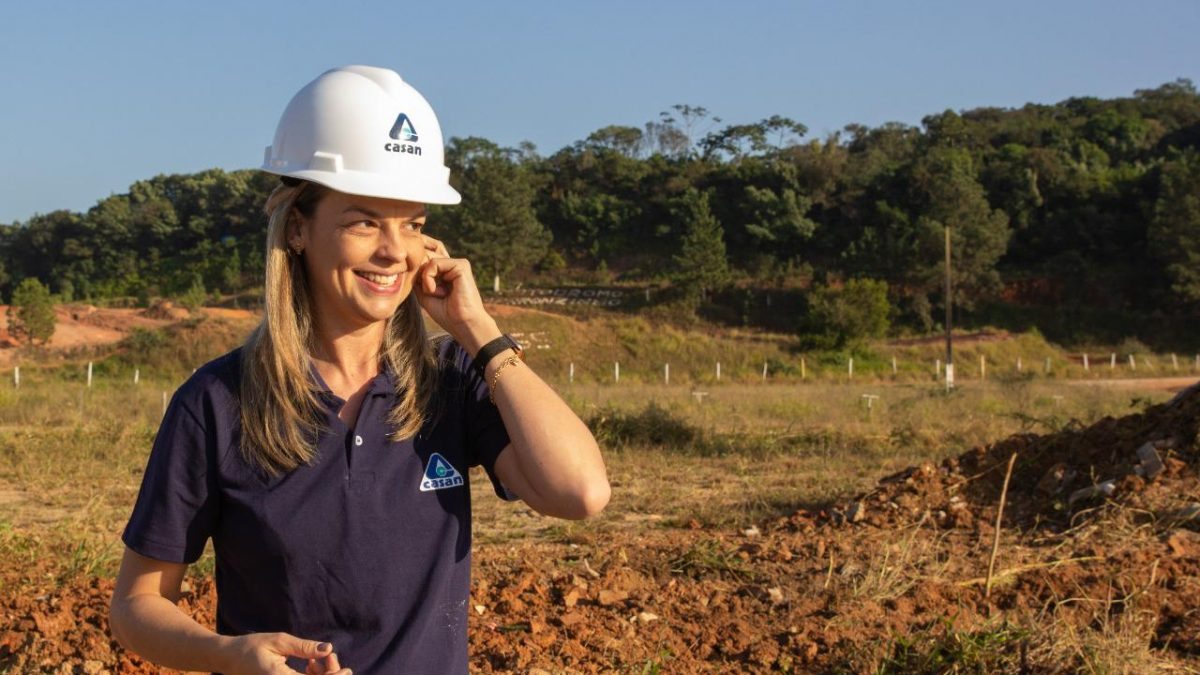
(98,95)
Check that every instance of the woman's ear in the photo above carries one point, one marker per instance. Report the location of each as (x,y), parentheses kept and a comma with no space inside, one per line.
(295,231)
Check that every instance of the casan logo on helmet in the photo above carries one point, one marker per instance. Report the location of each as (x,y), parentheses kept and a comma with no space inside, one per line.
(403,129)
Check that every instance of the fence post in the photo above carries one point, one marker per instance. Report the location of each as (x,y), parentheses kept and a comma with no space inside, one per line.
(1047,365)
(89,374)
(164,397)
(851,366)
(937,369)
(1019,364)
(571,373)
(1174,363)
(718,371)
(17,377)
(1085,362)
(1132,363)
(666,373)
(616,372)
(893,365)
(982,367)
(1112,361)
(136,374)
(804,369)
(764,377)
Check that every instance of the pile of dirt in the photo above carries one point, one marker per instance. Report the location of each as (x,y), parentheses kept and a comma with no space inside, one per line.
(166,310)
(1146,461)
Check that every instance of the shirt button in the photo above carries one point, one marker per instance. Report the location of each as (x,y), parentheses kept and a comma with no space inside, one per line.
(357,440)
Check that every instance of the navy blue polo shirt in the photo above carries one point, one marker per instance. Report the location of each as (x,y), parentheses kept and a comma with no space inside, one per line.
(368,548)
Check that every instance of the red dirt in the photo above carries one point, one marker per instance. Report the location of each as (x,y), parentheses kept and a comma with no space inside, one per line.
(815,591)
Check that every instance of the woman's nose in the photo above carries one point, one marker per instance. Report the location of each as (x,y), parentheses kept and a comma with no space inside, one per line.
(394,247)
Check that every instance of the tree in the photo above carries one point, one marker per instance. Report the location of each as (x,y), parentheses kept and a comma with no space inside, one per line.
(1175,229)
(495,226)
(848,316)
(31,314)
(700,265)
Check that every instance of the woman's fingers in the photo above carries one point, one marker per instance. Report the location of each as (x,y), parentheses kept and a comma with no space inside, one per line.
(443,269)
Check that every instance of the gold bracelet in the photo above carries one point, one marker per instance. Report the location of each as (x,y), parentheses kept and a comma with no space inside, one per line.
(496,376)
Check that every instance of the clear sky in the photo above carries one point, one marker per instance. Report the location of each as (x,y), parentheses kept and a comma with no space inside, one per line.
(96,95)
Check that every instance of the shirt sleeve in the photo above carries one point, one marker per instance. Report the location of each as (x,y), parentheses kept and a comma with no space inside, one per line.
(177,506)
(486,434)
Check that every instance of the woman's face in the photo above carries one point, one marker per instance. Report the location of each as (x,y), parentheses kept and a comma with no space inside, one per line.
(361,255)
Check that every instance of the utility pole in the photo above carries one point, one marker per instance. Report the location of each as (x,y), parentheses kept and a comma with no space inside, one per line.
(949,302)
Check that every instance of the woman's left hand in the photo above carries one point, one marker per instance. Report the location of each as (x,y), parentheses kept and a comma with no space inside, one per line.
(446,289)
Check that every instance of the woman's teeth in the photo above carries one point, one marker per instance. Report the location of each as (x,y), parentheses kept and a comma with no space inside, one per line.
(379,279)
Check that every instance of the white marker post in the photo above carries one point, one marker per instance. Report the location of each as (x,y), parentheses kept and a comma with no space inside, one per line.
(1132,363)
(571,373)
(804,369)
(616,372)
(89,384)
(1085,362)
(1112,361)
(164,403)
(937,369)
(1047,365)
(666,373)
(850,367)
(893,365)
(718,371)
(764,371)
(17,377)
(1174,362)
(1019,364)
(982,367)
(136,374)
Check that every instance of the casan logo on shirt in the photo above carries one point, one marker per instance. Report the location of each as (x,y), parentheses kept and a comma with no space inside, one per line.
(439,474)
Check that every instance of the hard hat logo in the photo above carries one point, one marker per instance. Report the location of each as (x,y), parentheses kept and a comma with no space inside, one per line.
(403,127)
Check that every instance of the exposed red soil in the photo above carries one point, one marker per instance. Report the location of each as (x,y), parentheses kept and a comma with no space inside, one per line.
(817,591)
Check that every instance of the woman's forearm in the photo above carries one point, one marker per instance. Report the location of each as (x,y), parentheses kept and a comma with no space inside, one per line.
(555,450)
(157,630)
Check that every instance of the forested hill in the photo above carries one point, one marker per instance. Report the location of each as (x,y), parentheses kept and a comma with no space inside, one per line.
(1086,202)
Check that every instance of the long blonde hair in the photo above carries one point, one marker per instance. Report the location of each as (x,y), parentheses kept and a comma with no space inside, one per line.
(281,413)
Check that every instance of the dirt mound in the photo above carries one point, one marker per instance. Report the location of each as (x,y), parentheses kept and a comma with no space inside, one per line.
(1145,460)
(166,310)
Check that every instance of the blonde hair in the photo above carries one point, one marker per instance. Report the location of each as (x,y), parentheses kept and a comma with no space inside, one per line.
(281,413)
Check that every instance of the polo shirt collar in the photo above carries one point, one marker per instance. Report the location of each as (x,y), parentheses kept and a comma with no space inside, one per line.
(383,384)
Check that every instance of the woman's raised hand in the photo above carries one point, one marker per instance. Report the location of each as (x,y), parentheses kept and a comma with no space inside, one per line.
(446,289)
(267,654)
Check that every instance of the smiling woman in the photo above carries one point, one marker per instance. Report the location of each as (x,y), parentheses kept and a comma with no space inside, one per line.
(327,457)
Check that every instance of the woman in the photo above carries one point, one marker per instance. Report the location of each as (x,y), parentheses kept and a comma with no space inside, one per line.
(327,456)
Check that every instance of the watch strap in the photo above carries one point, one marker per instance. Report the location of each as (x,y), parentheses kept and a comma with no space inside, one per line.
(491,349)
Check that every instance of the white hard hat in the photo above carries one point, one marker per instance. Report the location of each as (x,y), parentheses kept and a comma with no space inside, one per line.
(363,131)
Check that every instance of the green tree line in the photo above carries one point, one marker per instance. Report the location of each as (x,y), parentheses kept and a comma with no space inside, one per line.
(1089,201)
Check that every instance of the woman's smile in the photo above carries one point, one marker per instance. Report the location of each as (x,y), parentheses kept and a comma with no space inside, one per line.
(380,284)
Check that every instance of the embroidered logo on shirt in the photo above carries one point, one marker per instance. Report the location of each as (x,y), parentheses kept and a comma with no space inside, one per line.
(439,474)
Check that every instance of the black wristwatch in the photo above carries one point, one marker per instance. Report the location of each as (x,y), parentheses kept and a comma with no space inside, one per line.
(491,349)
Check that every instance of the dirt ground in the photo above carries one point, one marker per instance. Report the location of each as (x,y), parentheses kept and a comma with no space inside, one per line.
(1096,579)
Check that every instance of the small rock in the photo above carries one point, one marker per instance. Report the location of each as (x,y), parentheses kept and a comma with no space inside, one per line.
(776,595)
(858,512)
(1151,463)
(480,609)
(1051,483)
(92,667)
(1184,543)
(1106,488)
(608,597)
(751,532)
(647,617)
(571,598)
(571,618)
